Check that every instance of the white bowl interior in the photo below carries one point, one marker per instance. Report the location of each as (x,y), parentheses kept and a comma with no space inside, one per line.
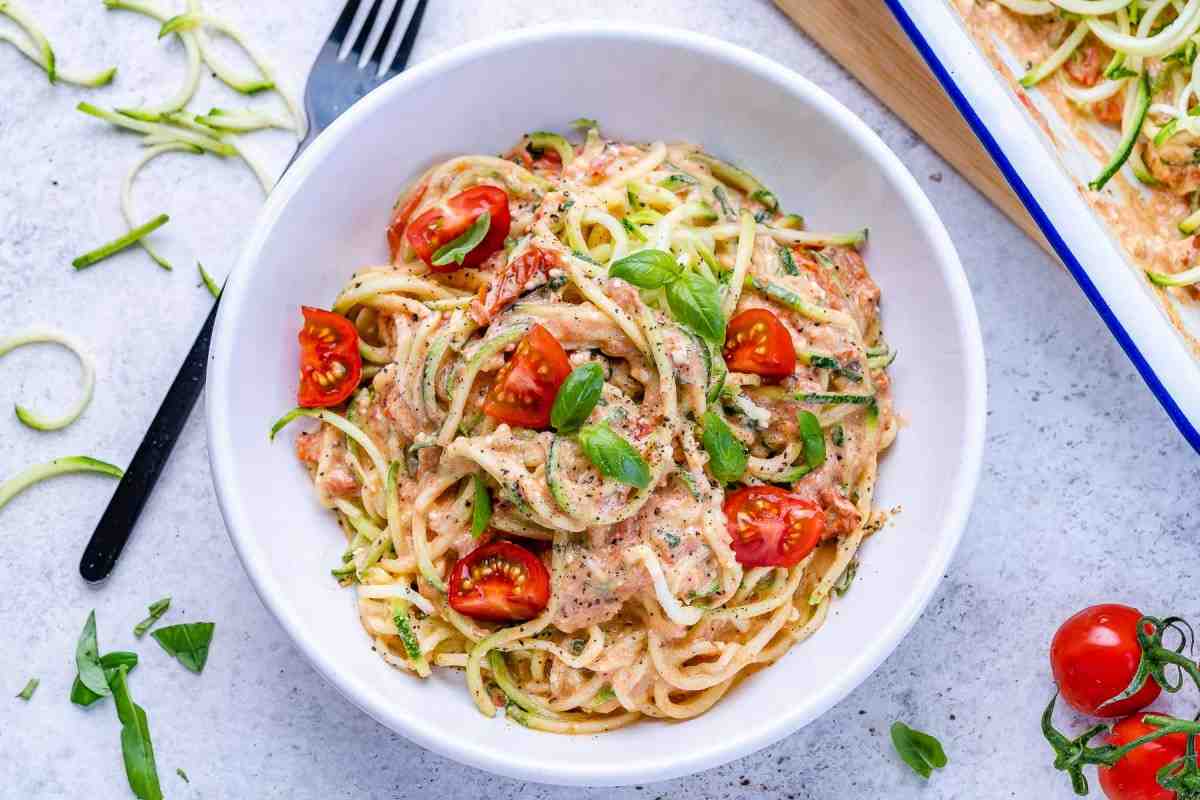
(327,219)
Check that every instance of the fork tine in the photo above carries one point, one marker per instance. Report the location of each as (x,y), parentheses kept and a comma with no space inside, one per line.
(385,16)
(361,12)
(407,10)
(342,26)
(404,37)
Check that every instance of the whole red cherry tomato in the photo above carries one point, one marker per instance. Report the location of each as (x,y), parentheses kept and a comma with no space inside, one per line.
(1094,657)
(1135,777)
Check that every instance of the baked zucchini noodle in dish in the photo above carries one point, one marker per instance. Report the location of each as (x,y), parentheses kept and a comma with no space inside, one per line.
(1129,65)
(603,434)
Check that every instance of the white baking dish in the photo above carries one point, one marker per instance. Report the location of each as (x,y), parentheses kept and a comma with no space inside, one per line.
(1047,182)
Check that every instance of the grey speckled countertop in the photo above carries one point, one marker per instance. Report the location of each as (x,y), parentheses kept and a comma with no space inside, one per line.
(1086,495)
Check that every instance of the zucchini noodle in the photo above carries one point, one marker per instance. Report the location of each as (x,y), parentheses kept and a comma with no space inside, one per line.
(88,367)
(1131,65)
(649,613)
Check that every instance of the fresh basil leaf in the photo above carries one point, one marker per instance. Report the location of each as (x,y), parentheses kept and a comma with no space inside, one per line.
(813,438)
(457,250)
(481,507)
(577,397)
(187,642)
(87,658)
(136,748)
(156,609)
(726,455)
(613,456)
(646,269)
(919,750)
(30,688)
(111,662)
(696,302)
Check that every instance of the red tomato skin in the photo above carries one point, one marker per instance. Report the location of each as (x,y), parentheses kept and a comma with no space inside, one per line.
(448,220)
(404,211)
(1086,65)
(524,390)
(1094,656)
(744,515)
(494,597)
(328,351)
(1135,777)
(755,329)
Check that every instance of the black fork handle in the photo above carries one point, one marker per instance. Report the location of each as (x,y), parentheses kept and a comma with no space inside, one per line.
(112,532)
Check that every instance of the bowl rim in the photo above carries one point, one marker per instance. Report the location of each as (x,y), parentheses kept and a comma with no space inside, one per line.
(650,766)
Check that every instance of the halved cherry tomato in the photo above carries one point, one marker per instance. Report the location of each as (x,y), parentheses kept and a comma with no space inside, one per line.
(1087,63)
(1135,777)
(330,365)
(757,342)
(450,219)
(526,386)
(771,527)
(500,582)
(404,209)
(1094,656)
(509,282)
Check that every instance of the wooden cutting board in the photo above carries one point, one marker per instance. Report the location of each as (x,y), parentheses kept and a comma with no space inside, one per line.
(863,36)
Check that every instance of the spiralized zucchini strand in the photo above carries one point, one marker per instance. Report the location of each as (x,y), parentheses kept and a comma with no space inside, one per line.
(59,466)
(88,378)
(39,51)
(127,190)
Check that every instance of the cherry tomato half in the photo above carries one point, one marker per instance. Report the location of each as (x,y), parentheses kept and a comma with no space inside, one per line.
(330,365)
(771,527)
(500,582)
(1094,656)
(450,219)
(1135,777)
(1086,65)
(757,342)
(404,211)
(524,390)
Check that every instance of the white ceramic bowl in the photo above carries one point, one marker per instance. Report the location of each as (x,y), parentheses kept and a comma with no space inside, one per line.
(327,218)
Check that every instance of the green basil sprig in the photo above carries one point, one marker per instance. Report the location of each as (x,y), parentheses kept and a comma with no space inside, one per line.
(577,397)
(87,659)
(136,747)
(919,750)
(813,439)
(457,250)
(111,662)
(188,642)
(696,302)
(694,299)
(481,507)
(726,455)
(646,269)
(613,456)
(156,609)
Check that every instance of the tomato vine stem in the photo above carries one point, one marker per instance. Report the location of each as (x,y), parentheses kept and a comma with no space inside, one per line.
(1156,657)
(1072,755)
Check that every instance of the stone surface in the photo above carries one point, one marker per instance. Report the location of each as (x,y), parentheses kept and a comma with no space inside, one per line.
(1086,493)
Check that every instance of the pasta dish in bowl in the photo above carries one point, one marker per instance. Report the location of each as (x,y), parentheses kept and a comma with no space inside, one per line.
(607,428)
(574,356)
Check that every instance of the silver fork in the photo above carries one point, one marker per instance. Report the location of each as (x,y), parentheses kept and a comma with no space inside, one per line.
(370,43)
